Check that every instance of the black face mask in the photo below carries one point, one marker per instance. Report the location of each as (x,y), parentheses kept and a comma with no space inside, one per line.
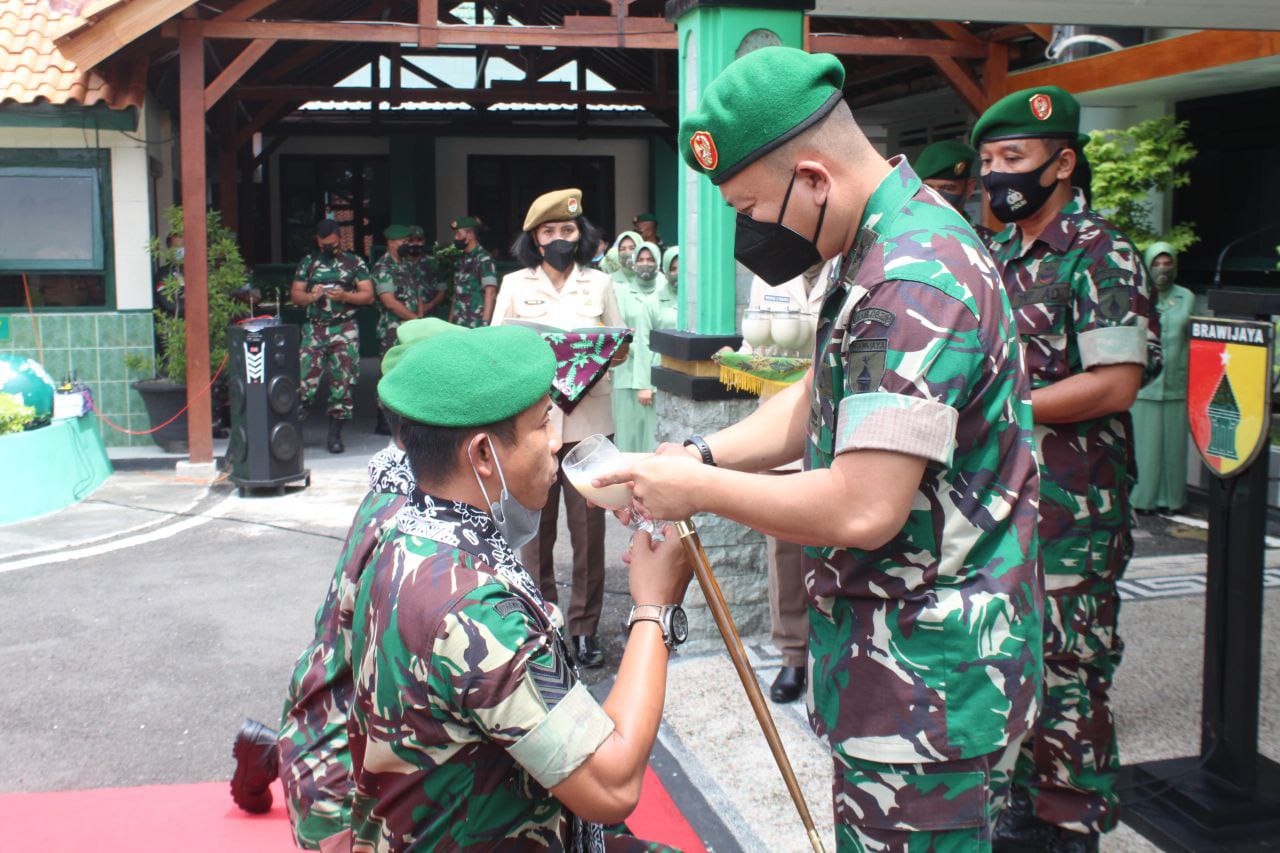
(773,251)
(459,244)
(1016,195)
(328,250)
(409,250)
(559,253)
(954,199)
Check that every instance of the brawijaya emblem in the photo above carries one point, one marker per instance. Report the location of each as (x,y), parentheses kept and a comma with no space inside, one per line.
(1041,106)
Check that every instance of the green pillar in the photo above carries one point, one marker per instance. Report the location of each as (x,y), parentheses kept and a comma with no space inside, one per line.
(712,34)
(413,180)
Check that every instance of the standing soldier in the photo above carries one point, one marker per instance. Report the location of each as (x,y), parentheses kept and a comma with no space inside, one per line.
(951,168)
(918,498)
(1080,296)
(647,225)
(475,283)
(398,288)
(434,293)
(329,283)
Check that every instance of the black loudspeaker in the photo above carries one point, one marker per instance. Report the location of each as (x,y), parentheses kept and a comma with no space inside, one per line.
(263,370)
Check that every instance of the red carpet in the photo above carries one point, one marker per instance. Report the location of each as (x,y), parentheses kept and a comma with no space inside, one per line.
(201,818)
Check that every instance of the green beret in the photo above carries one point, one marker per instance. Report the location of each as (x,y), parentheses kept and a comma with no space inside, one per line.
(474,378)
(644,217)
(951,160)
(411,332)
(555,206)
(416,233)
(464,222)
(757,104)
(1044,112)
(396,232)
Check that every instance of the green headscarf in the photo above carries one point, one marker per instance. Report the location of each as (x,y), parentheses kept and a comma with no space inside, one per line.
(610,264)
(627,268)
(1154,251)
(648,286)
(672,253)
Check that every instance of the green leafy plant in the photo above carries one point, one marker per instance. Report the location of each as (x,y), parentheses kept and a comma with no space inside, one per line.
(1129,164)
(226,274)
(446,258)
(14,416)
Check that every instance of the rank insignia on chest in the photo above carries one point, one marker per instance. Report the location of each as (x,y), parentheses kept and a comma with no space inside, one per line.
(866,365)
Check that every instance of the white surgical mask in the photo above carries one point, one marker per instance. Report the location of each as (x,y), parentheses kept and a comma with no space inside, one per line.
(516,522)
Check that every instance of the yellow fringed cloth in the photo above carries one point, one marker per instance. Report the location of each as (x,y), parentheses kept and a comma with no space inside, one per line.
(761,375)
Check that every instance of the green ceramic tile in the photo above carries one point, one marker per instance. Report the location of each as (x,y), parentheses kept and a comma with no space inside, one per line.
(110,330)
(53,331)
(56,363)
(21,336)
(133,400)
(82,331)
(112,399)
(84,364)
(138,329)
(111,365)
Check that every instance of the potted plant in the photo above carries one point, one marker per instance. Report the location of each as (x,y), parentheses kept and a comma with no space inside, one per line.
(165,396)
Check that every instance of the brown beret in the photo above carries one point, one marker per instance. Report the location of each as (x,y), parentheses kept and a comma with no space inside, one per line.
(555,206)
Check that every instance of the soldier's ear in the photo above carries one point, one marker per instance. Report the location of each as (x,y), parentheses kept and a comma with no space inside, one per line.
(814,175)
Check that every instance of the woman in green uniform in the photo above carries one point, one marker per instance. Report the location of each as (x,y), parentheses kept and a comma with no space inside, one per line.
(635,288)
(1160,412)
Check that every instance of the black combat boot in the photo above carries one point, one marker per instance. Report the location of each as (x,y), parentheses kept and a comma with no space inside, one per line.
(1066,841)
(587,652)
(257,765)
(335,435)
(788,686)
(1018,830)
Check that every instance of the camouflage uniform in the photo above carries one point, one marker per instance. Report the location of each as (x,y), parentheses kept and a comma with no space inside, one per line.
(426,274)
(925,653)
(476,271)
(467,708)
(398,279)
(1081,299)
(330,338)
(315,763)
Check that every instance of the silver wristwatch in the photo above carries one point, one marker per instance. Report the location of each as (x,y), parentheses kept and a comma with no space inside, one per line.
(670,618)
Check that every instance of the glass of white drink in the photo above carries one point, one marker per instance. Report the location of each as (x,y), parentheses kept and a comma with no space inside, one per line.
(756,330)
(789,331)
(595,456)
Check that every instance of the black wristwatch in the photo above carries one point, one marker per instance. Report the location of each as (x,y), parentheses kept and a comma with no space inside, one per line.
(670,618)
(700,444)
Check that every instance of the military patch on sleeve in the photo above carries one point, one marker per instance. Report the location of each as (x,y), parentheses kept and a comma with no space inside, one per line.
(552,682)
(874,315)
(508,606)
(1113,302)
(865,366)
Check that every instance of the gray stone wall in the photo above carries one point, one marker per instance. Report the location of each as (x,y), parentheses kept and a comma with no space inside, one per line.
(737,553)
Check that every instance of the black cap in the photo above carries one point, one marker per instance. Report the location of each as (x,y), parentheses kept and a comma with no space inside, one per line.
(326,228)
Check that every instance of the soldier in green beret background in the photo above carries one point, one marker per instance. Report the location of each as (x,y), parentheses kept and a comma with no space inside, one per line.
(470,727)
(647,225)
(422,263)
(475,281)
(917,498)
(399,294)
(330,283)
(1084,313)
(951,168)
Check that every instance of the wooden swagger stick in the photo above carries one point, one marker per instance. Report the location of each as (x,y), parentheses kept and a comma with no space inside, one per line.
(724,621)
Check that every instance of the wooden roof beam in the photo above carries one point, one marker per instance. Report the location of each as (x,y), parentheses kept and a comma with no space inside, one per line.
(1163,58)
(1009,32)
(579,31)
(235,69)
(856,45)
(963,82)
(495,95)
(93,42)
(244,10)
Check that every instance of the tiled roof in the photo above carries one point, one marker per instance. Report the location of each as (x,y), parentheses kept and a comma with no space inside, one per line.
(33,70)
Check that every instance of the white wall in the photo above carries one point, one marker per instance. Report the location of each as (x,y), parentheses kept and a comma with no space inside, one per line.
(130,197)
(630,171)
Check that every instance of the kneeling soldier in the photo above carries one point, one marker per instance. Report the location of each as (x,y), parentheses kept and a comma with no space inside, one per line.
(470,728)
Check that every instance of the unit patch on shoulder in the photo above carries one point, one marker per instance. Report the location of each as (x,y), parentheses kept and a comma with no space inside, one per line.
(704,150)
(874,315)
(865,367)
